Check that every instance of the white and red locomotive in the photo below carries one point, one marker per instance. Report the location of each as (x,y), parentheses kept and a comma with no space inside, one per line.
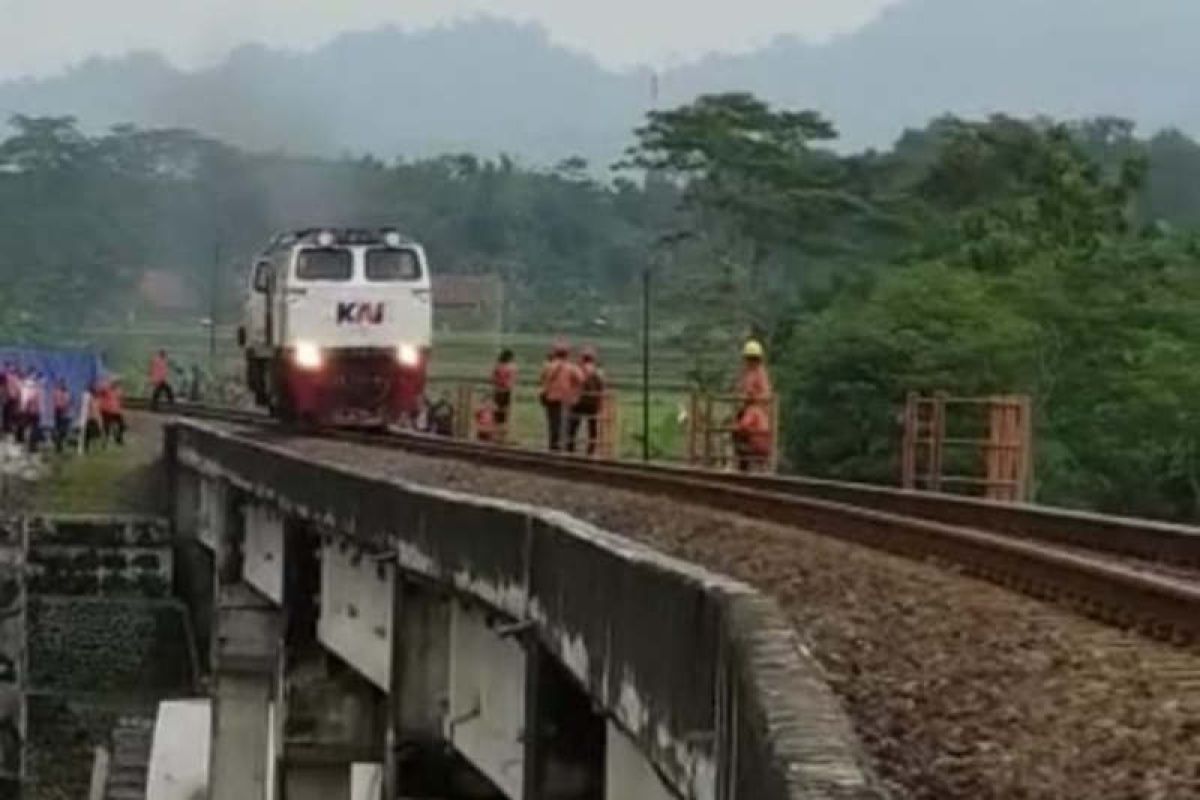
(338,325)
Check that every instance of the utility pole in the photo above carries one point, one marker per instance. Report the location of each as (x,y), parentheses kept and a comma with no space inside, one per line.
(646,362)
(646,316)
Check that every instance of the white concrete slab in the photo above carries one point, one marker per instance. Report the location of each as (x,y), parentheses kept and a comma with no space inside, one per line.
(627,774)
(179,755)
(212,512)
(356,612)
(487,699)
(262,563)
(366,782)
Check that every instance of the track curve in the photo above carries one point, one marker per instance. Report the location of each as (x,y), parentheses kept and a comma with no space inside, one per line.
(1126,572)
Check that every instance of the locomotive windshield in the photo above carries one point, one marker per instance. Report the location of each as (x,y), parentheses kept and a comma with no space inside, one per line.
(392,265)
(325,264)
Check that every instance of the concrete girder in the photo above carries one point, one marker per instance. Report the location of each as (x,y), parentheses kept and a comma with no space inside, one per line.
(486,718)
(356,610)
(712,688)
(263,552)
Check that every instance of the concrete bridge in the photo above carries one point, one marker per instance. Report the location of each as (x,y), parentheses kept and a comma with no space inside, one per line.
(451,646)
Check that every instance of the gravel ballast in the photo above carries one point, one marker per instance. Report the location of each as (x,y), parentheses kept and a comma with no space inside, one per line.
(958,689)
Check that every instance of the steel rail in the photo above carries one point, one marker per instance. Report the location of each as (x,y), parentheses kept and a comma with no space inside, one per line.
(1028,559)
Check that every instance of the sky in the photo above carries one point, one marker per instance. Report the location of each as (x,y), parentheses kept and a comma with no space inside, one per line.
(39,37)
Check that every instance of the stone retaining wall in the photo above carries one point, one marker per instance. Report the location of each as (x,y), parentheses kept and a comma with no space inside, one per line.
(102,639)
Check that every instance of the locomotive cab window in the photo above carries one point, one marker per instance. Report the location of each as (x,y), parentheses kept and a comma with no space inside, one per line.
(324,264)
(390,265)
(262,277)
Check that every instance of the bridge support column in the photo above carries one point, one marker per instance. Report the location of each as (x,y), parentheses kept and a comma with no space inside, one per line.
(331,722)
(247,634)
(335,673)
(245,658)
(418,698)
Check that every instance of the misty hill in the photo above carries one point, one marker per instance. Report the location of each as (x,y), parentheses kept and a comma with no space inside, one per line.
(492,86)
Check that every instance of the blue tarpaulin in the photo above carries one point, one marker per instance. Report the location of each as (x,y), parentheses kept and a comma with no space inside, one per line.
(79,368)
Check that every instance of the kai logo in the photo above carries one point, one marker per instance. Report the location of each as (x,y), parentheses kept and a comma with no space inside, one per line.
(359,313)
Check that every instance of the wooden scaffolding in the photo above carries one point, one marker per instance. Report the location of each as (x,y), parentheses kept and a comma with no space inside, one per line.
(712,419)
(972,445)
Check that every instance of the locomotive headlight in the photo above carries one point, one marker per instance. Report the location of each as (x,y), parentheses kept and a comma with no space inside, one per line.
(308,355)
(408,355)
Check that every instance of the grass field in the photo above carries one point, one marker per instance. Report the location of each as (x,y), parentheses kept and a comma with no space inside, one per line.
(109,479)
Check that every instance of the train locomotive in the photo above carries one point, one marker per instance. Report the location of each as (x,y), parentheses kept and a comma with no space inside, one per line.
(337,327)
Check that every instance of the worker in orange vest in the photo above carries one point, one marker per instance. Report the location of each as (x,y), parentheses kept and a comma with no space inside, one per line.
(754,384)
(504,382)
(561,382)
(752,438)
(160,380)
(112,411)
(752,425)
(586,410)
(62,414)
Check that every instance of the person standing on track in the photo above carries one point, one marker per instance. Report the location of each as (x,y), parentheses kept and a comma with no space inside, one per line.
(504,382)
(587,407)
(160,380)
(752,424)
(561,381)
(752,438)
(754,384)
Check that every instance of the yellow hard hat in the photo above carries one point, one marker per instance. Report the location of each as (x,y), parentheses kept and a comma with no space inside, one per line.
(752,350)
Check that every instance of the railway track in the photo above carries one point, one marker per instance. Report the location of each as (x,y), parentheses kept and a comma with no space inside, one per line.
(1131,573)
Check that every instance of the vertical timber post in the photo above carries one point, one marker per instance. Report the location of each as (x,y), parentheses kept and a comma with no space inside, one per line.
(1025,461)
(995,474)
(937,438)
(908,454)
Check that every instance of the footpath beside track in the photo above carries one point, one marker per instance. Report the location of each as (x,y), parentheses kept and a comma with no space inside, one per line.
(1114,569)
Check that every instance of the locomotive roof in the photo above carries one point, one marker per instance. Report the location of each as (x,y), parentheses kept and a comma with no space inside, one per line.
(342,236)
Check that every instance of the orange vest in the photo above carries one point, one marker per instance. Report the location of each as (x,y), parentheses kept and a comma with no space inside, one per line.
(561,381)
(109,400)
(754,428)
(754,385)
(159,370)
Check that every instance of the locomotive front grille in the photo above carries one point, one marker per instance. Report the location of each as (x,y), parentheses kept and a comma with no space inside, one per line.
(362,381)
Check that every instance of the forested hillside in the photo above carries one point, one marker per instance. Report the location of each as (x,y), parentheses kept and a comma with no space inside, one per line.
(987,256)
(491,86)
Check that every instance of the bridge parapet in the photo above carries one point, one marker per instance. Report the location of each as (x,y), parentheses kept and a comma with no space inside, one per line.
(467,613)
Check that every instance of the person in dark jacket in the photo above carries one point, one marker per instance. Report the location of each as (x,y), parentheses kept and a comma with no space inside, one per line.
(586,411)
